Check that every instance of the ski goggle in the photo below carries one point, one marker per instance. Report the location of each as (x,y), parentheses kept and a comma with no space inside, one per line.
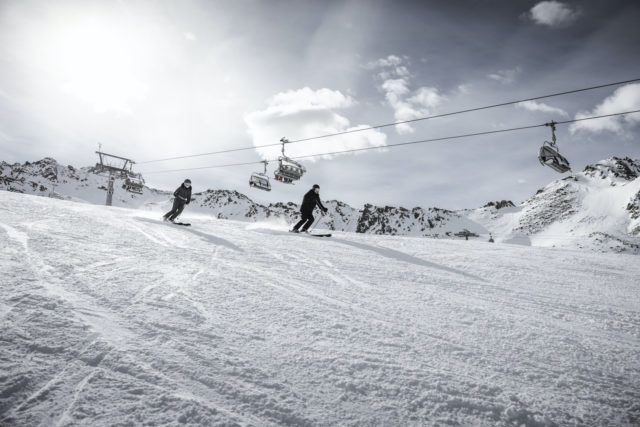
(186,184)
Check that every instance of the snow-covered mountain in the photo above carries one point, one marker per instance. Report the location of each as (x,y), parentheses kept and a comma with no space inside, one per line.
(598,208)
(111,317)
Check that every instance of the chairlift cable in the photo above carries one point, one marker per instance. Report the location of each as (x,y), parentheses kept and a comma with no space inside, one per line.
(444,138)
(205,167)
(231,150)
(503,104)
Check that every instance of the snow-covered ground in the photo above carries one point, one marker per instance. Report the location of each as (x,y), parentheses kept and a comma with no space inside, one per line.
(111,317)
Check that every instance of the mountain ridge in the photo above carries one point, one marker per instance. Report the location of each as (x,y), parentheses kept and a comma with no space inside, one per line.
(597,209)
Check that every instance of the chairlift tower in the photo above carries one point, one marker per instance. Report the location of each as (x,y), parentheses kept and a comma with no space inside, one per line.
(118,167)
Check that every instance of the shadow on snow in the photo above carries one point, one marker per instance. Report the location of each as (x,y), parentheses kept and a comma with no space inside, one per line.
(386,252)
(204,236)
(401,256)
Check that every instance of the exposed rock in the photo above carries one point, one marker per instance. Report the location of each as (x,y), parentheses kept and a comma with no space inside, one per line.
(501,204)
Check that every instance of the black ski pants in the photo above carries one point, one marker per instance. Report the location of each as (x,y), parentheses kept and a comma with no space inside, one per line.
(305,222)
(178,207)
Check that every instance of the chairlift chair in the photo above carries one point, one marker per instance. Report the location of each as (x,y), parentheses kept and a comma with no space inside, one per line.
(549,155)
(260,180)
(288,169)
(133,183)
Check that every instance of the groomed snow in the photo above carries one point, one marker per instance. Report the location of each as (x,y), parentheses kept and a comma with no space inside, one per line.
(111,317)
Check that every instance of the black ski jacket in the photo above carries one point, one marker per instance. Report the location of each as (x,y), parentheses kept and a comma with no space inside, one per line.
(310,200)
(183,193)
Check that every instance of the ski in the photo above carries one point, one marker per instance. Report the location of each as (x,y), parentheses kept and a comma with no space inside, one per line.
(186,224)
(304,233)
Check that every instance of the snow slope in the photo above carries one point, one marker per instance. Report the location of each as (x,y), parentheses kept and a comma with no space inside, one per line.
(111,317)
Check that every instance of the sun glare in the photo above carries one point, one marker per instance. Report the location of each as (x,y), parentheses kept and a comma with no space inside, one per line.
(98,60)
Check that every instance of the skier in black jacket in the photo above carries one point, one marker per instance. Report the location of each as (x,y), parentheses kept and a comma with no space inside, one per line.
(182,197)
(309,202)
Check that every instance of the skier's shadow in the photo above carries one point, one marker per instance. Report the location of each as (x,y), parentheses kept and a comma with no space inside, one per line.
(401,256)
(206,237)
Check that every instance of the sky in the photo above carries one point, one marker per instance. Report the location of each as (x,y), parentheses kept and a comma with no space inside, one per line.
(151,80)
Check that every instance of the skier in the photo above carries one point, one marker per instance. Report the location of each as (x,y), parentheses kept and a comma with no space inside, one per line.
(182,197)
(309,202)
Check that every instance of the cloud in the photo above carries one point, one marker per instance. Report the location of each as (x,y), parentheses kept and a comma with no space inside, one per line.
(541,107)
(552,14)
(395,88)
(188,35)
(407,105)
(391,66)
(389,61)
(506,76)
(427,97)
(626,98)
(307,98)
(465,89)
(306,113)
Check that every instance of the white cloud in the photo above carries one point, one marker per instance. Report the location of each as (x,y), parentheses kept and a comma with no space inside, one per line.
(395,88)
(306,98)
(389,61)
(464,89)
(541,107)
(410,107)
(626,98)
(506,76)
(190,36)
(552,14)
(427,97)
(305,113)
(391,66)
(407,105)
(402,71)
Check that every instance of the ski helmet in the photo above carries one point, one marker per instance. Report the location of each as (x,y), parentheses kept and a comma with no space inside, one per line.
(316,186)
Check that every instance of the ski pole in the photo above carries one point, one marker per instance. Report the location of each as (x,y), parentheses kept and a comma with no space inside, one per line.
(316,224)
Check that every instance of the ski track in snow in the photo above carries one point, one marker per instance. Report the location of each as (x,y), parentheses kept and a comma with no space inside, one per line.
(112,317)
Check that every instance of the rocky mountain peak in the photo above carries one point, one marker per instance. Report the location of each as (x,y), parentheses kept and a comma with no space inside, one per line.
(500,204)
(624,168)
